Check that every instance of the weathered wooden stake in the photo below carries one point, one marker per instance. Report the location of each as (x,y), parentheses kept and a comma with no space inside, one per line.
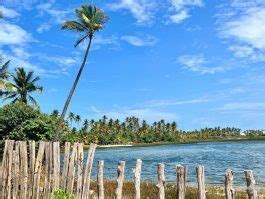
(251,190)
(24,168)
(48,168)
(80,157)
(181,181)
(229,190)
(120,178)
(100,180)
(71,171)
(7,169)
(161,180)
(31,166)
(201,182)
(37,170)
(137,178)
(67,148)
(56,166)
(4,169)
(16,166)
(88,169)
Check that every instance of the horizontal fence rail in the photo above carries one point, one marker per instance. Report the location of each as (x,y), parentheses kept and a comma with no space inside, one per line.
(34,171)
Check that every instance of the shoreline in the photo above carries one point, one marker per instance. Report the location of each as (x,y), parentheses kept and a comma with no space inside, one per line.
(261,138)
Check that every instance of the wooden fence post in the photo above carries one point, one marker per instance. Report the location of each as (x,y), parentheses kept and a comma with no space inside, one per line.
(32,156)
(24,168)
(137,178)
(37,170)
(181,181)
(7,169)
(120,178)
(48,170)
(229,190)
(252,192)
(67,148)
(88,169)
(100,180)
(56,165)
(201,182)
(80,157)
(161,180)
(71,170)
(16,166)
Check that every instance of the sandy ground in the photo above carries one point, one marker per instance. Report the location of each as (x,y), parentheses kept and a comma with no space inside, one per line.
(115,145)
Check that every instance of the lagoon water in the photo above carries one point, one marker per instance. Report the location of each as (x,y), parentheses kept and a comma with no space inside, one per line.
(215,156)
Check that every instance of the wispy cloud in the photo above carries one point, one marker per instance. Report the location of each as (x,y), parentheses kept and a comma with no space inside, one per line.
(140,41)
(147,114)
(54,16)
(142,10)
(9,13)
(242,106)
(164,103)
(244,27)
(181,9)
(196,63)
(11,34)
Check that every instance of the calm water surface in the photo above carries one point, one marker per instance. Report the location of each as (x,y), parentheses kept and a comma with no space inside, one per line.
(216,157)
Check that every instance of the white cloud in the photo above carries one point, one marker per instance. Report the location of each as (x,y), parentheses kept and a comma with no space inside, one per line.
(43,27)
(147,114)
(137,41)
(8,13)
(196,63)
(243,106)
(245,28)
(56,16)
(181,9)
(164,103)
(11,34)
(142,10)
(179,17)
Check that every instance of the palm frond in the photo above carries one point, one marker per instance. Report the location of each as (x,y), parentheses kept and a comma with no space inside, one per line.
(80,39)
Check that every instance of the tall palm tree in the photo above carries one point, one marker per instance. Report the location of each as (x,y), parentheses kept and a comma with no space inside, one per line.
(24,84)
(71,117)
(90,19)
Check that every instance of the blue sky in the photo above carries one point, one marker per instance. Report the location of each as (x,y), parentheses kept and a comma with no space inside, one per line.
(198,62)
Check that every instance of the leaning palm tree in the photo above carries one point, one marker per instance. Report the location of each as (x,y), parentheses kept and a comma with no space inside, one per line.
(89,19)
(24,84)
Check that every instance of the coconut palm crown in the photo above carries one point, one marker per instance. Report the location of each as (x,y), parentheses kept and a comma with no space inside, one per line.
(90,19)
(24,84)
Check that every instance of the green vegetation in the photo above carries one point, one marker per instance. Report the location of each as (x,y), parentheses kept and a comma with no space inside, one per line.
(60,194)
(89,19)
(132,130)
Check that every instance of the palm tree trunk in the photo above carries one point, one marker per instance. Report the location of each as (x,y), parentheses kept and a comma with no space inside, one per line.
(59,127)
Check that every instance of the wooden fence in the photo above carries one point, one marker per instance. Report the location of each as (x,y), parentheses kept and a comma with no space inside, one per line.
(29,175)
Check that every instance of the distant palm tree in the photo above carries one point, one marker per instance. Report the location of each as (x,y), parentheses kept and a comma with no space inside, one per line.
(77,119)
(55,113)
(24,84)
(90,19)
(86,124)
(71,117)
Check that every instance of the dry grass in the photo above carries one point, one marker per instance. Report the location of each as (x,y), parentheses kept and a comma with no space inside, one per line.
(149,191)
